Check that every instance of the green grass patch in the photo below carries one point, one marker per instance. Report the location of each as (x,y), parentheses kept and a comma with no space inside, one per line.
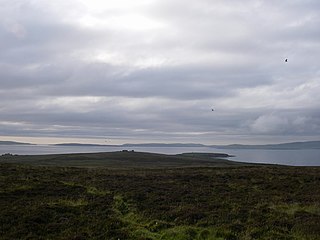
(90,189)
(16,187)
(68,202)
(96,191)
(189,233)
(291,209)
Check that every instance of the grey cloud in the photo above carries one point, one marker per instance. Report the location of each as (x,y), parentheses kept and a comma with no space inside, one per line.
(288,122)
(188,82)
(211,52)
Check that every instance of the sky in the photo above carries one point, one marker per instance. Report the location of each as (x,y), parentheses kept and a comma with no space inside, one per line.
(121,71)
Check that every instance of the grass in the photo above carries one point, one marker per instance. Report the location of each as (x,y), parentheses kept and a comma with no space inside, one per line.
(222,201)
(294,208)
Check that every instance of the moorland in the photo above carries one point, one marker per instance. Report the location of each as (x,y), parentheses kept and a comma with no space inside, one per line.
(132,195)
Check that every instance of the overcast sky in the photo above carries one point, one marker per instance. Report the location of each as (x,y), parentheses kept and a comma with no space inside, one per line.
(121,71)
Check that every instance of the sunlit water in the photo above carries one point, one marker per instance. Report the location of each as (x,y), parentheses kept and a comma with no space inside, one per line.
(305,157)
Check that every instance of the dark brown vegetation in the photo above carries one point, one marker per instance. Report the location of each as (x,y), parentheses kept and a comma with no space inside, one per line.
(123,159)
(234,202)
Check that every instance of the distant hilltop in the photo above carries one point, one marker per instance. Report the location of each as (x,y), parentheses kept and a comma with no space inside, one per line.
(163,145)
(135,145)
(14,143)
(82,145)
(281,146)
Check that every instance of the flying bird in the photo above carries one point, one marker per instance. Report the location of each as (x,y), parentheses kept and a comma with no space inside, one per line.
(286,60)
(212,109)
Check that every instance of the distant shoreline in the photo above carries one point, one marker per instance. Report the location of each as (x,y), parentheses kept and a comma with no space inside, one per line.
(14,143)
(281,146)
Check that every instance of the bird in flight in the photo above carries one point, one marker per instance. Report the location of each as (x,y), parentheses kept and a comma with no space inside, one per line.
(286,60)
(212,109)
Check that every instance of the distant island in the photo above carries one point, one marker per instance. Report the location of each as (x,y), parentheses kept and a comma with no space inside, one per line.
(281,146)
(164,145)
(14,143)
(83,145)
(134,145)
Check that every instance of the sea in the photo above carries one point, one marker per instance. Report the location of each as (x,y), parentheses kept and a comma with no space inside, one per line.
(300,157)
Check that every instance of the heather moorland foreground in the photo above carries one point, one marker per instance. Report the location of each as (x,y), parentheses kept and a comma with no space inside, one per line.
(130,195)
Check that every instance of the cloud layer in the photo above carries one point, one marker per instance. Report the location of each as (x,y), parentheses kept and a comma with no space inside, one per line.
(152,70)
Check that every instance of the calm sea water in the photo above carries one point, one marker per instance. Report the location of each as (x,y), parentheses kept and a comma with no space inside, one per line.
(306,157)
